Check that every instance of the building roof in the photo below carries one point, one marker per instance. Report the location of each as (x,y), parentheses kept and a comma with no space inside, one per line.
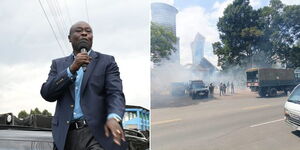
(207,64)
(164,6)
(133,106)
(199,37)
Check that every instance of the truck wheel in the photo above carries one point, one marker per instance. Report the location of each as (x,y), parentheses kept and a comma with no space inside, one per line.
(273,92)
(262,92)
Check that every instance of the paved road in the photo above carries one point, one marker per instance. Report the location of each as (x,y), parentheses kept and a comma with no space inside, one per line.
(235,122)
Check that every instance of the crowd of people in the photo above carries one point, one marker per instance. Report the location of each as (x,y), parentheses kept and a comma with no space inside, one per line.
(226,88)
(223,88)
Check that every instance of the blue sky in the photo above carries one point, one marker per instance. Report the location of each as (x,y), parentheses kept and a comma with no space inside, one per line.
(181,4)
(208,4)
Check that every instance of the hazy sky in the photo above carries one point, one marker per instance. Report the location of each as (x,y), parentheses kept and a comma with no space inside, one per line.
(202,16)
(121,28)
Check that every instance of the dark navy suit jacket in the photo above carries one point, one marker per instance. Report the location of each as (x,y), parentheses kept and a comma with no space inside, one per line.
(101,94)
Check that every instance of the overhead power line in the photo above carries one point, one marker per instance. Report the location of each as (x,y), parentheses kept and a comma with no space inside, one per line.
(62,19)
(51,28)
(86,10)
(59,21)
(68,12)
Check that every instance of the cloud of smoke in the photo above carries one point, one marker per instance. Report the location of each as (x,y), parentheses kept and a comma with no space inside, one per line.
(168,72)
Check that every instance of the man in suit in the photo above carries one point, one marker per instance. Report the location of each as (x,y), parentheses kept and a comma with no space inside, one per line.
(88,91)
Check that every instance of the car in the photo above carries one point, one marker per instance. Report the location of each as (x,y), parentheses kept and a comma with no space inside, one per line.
(138,140)
(292,109)
(197,89)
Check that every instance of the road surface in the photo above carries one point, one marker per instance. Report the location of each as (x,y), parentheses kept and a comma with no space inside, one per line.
(242,121)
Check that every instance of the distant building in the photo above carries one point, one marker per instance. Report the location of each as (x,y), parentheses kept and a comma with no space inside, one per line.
(165,15)
(136,117)
(200,64)
(206,66)
(197,47)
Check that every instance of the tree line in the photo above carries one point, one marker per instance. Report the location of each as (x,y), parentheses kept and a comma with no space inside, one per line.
(23,114)
(259,37)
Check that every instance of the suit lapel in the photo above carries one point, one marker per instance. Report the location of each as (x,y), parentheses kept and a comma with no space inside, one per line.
(68,62)
(89,70)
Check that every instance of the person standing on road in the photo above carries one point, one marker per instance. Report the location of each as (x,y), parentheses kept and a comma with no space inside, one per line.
(88,90)
(224,89)
(232,88)
(227,86)
(221,88)
(211,89)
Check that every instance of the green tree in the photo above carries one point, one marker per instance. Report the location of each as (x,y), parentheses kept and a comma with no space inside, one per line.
(23,114)
(46,113)
(281,31)
(36,111)
(222,52)
(239,33)
(162,42)
(290,34)
(272,19)
(265,35)
(268,21)
(294,57)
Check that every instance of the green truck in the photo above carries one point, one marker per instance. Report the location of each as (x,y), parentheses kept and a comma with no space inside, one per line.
(268,81)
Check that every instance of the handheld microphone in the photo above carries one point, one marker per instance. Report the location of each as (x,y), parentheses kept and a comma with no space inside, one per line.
(83,45)
(84,65)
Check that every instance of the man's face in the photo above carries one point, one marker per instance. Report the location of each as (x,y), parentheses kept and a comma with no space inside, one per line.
(79,31)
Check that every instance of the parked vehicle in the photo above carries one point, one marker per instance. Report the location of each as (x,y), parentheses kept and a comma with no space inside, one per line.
(31,133)
(292,109)
(138,140)
(34,133)
(137,118)
(268,81)
(197,89)
(178,88)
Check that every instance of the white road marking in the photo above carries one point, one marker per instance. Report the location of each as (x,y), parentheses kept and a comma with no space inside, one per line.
(256,125)
(256,107)
(165,121)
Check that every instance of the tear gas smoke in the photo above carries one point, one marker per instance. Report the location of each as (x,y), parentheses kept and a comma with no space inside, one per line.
(168,72)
